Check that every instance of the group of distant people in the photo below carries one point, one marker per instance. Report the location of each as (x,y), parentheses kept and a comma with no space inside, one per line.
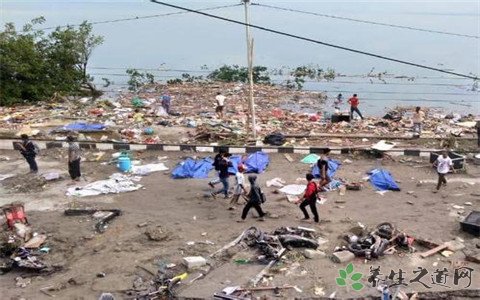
(353,101)
(254,197)
(30,150)
(166,101)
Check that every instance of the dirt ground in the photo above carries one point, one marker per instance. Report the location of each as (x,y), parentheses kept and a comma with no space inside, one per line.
(182,210)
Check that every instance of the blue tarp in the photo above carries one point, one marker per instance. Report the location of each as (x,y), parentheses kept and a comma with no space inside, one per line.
(333,166)
(257,162)
(191,168)
(83,127)
(382,180)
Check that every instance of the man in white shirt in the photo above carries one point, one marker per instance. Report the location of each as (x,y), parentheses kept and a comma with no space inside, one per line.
(239,187)
(220,99)
(444,164)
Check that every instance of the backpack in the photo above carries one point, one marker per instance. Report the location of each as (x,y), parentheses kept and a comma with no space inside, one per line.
(36,149)
(263,198)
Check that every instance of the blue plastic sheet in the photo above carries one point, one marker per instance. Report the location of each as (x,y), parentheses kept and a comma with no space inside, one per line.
(382,180)
(83,127)
(191,168)
(257,162)
(333,166)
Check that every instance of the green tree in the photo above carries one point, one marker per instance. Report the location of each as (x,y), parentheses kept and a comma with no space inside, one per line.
(35,66)
(139,79)
(236,73)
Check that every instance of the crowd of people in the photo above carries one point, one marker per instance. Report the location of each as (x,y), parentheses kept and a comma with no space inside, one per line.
(30,150)
(254,197)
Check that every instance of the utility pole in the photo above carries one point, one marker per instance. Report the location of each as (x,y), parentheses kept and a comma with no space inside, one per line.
(251,102)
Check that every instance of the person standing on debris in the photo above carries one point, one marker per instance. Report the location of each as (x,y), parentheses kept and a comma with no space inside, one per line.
(417,120)
(339,100)
(74,157)
(239,187)
(444,164)
(223,164)
(255,200)
(353,101)
(220,100)
(322,164)
(29,151)
(309,199)
(166,101)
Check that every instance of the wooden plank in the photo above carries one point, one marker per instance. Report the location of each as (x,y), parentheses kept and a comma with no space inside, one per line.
(288,157)
(434,250)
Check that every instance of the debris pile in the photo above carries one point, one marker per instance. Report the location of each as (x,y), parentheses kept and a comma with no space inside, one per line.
(140,118)
(20,247)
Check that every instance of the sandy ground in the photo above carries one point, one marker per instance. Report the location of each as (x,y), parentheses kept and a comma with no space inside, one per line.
(179,206)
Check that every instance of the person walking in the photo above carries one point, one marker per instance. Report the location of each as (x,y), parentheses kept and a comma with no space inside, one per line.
(444,164)
(255,200)
(223,164)
(74,158)
(29,150)
(322,164)
(239,187)
(215,164)
(220,102)
(309,199)
(166,101)
(417,120)
(353,101)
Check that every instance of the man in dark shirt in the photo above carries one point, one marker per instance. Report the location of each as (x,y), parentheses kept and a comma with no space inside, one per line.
(28,150)
(215,164)
(255,200)
(222,166)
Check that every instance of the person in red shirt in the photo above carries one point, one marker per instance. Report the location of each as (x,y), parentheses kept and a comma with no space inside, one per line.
(354,106)
(309,199)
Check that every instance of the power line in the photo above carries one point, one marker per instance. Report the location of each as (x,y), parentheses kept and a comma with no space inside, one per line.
(274,73)
(368,22)
(140,17)
(316,41)
(307,81)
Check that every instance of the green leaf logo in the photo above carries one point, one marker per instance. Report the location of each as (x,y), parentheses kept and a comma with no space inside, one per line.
(354,278)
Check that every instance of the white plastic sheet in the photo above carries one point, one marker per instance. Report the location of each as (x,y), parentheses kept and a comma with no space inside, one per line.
(147,169)
(117,183)
(293,189)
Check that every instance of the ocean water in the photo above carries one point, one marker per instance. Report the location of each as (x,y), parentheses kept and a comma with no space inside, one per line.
(186,42)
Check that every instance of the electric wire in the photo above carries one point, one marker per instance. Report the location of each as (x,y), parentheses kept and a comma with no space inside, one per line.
(315,41)
(137,17)
(367,21)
